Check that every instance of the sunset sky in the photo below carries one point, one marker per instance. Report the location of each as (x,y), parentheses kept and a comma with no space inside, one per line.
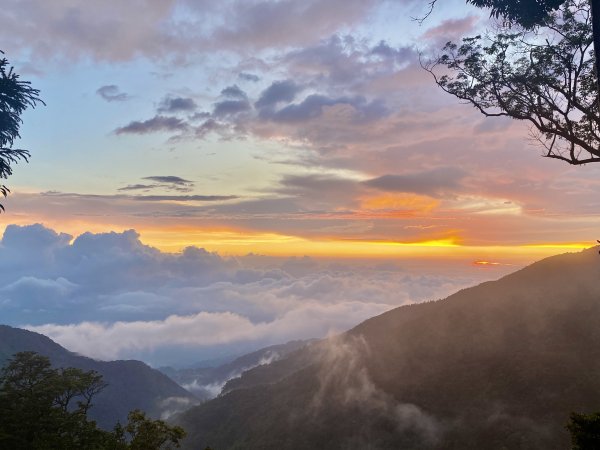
(258,129)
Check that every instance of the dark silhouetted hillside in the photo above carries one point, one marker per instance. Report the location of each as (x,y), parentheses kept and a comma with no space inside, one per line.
(131,384)
(497,366)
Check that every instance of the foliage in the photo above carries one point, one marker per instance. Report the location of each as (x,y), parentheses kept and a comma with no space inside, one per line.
(15,97)
(42,407)
(151,434)
(544,76)
(527,13)
(46,408)
(585,431)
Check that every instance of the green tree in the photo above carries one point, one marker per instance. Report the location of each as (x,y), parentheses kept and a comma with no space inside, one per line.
(148,434)
(544,76)
(585,431)
(15,97)
(42,407)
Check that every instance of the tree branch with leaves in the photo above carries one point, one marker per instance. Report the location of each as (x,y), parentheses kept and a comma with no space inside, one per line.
(545,76)
(15,97)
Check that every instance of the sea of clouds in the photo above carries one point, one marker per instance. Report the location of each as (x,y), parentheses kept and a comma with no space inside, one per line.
(110,296)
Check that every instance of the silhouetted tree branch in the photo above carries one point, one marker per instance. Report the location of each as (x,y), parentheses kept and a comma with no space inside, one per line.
(545,76)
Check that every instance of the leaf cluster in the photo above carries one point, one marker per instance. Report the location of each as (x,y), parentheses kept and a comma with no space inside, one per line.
(527,13)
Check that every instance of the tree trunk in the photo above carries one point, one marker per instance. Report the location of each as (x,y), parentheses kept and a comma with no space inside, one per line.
(595,4)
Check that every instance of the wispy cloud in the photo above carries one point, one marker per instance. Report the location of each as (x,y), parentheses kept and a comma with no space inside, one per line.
(184,198)
(112,93)
(153,125)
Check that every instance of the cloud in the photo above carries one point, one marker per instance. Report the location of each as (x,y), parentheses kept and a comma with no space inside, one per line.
(234,92)
(164,182)
(112,93)
(184,198)
(451,30)
(344,379)
(161,32)
(279,91)
(248,77)
(137,187)
(156,124)
(265,24)
(173,105)
(230,107)
(434,182)
(400,55)
(108,295)
(320,191)
(313,106)
(169,179)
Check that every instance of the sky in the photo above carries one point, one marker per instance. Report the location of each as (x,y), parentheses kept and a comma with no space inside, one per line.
(249,172)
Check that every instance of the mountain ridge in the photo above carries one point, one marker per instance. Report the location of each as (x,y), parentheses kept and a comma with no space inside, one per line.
(498,365)
(131,384)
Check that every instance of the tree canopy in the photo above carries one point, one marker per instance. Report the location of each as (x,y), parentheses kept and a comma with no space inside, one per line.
(585,431)
(544,76)
(15,97)
(42,407)
(527,13)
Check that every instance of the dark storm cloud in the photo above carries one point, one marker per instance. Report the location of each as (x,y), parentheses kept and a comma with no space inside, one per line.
(157,123)
(112,93)
(177,104)
(432,182)
(279,91)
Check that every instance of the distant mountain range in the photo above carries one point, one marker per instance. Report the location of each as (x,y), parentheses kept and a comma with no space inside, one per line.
(208,382)
(497,366)
(131,384)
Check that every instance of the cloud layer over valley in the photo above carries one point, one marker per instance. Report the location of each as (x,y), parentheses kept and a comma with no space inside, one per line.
(110,296)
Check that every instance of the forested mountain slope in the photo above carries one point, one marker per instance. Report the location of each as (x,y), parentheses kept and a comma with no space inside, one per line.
(499,365)
(131,384)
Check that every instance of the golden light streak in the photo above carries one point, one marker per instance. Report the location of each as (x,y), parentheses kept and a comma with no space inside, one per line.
(241,242)
(272,244)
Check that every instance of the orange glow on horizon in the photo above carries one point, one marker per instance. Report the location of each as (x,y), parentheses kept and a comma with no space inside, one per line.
(241,242)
